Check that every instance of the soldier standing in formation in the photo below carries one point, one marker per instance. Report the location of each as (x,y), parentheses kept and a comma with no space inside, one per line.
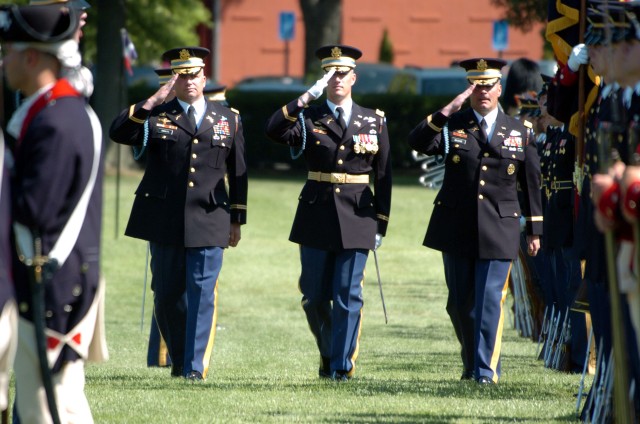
(476,216)
(339,219)
(57,205)
(182,206)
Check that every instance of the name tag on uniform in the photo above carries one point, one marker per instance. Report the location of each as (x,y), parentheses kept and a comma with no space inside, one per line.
(459,140)
(165,131)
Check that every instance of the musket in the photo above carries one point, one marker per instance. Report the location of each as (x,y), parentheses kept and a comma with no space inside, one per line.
(384,308)
(144,286)
(543,331)
(584,371)
(29,247)
(555,360)
(589,405)
(552,341)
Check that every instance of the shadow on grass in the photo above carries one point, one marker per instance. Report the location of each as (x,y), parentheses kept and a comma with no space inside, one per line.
(407,418)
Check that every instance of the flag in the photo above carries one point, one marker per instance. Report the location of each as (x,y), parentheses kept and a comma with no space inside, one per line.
(563,27)
(563,32)
(129,53)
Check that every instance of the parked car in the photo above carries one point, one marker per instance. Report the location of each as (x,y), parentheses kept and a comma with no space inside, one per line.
(272,83)
(374,78)
(430,81)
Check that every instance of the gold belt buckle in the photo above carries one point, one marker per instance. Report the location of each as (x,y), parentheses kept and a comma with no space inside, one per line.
(338,178)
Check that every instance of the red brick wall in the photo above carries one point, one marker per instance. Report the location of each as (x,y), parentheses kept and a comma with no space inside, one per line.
(422,32)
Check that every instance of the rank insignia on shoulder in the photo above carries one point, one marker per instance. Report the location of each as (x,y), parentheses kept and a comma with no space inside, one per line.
(379,113)
(234,110)
(527,124)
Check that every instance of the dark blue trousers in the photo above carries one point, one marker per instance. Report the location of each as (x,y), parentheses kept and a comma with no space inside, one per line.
(157,352)
(477,291)
(189,332)
(331,286)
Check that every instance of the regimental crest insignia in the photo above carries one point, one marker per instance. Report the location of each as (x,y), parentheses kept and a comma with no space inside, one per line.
(482,65)
(184,54)
(336,52)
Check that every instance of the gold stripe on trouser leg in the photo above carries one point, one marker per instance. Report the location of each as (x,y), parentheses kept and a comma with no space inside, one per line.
(162,352)
(496,348)
(212,336)
(353,358)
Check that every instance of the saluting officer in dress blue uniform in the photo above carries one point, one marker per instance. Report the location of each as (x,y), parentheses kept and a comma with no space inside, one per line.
(339,219)
(476,214)
(182,206)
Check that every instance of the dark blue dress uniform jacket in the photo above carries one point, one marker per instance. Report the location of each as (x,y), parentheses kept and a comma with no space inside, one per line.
(182,199)
(337,216)
(476,213)
(52,167)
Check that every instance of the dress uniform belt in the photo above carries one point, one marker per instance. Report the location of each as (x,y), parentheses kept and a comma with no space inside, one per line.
(338,178)
(561,185)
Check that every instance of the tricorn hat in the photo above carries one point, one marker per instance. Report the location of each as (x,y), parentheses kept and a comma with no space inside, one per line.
(78,4)
(37,24)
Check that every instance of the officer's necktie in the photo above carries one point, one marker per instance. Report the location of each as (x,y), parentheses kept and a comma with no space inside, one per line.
(191,114)
(341,121)
(484,127)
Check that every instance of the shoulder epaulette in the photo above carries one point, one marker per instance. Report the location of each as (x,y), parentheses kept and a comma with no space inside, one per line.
(234,110)
(379,113)
(527,124)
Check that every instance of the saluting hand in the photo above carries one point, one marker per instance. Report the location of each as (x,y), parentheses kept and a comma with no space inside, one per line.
(316,89)
(457,103)
(161,95)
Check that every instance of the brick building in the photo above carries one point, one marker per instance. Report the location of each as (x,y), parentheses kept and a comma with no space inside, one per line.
(423,33)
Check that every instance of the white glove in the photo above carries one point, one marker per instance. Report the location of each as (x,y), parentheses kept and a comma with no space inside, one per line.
(579,56)
(316,90)
(378,241)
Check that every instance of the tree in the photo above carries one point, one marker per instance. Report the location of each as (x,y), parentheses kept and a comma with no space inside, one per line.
(523,13)
(386,49)
(322,24)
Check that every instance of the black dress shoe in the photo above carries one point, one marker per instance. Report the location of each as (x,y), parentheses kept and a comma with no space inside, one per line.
(340,376)
(485,380)
(325,368)
(176,371)
(467,375)
(194,376)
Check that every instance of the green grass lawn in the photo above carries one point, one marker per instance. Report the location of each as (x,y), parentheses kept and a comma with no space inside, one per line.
(265,362)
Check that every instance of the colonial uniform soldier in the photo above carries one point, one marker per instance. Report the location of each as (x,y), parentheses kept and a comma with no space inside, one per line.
(476,215)
(182,206)
(57,208)
(339,219)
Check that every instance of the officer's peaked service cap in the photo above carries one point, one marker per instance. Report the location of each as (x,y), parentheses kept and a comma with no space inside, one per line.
(37,24)
(164,75)
(186,60)
(338,57)
(483,71)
